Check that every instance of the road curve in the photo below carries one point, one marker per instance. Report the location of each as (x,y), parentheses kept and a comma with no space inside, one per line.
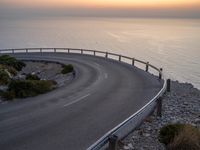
(103,94)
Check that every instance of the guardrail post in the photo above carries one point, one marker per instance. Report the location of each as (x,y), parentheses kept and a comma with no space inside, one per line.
(147,66)
(160,73)
(159,107)
(68,50)
(54,50)
(113,142)
(26,50)
(168,85)
(106,55)
(12,50)
(133,61)
(94,53)
(40,50)
(120,57)
(81,51)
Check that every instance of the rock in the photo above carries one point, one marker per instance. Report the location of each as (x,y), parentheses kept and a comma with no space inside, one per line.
(181,105)
(146,134)
(126,147)
(197,121)
(134,137)
(149,128)
(130,146)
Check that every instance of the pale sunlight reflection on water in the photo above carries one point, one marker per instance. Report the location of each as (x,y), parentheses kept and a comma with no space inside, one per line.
(173,44)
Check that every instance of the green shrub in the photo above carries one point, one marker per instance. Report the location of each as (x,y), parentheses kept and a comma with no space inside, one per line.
(10,69)
(28,88)
(4,77)
(12,61)
(1,92)
(42,86)
(187,139)
(168,132)
(67,69)
(32,77)
(8,95)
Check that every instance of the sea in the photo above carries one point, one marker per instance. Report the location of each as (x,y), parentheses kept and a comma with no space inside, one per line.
(171,44)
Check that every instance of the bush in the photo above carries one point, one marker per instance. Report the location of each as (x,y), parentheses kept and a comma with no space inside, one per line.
(1,92)
(28,88)
(32,77)
(12,61)
(10,69)
(168,132)
(8,95)
(187,139)
(67,69)
(4,77)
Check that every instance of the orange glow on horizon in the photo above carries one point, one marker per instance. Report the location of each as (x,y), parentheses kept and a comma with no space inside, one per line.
(103,3)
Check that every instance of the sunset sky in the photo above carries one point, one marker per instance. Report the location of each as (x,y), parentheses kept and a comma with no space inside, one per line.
(182,8)
(101,3)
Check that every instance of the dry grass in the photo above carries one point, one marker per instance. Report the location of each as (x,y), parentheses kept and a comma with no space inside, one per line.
(187,139)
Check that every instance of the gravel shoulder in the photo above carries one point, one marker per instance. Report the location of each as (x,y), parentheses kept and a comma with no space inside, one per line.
(46,71)
(181,105)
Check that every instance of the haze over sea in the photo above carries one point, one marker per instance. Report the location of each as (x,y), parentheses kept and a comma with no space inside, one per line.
(173,44)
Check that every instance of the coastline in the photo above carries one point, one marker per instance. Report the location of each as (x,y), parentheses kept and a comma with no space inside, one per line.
(181,105)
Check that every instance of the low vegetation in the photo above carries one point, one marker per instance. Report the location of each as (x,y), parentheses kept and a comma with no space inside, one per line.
(27,88)
(32,77)
(168,132)
(67,69)
(4,77)
(11,62)
(180,137)
(187,139)
(10,69)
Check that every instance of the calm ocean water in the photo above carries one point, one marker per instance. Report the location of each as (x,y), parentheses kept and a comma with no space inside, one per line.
(173,44)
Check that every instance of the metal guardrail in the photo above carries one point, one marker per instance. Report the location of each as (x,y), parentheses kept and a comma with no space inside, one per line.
(131,122)
(82,51)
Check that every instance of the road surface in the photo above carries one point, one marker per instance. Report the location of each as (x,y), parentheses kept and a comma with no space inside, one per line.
(103,94)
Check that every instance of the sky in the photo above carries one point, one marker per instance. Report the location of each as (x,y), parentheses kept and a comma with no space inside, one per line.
(118,8)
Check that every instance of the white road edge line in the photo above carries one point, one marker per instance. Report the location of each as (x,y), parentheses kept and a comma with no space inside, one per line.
(79,99)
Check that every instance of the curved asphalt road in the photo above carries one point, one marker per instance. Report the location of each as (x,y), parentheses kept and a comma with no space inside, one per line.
(103,94)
